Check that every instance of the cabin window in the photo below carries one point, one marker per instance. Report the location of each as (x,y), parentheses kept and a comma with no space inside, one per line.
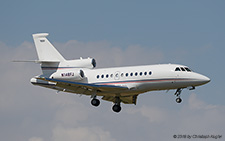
(136,73)
(140,73)
(107,76)
(111,75)
(97,76)
(131,74)
(150,73)
(145,73)
(102,76)
(121,74)
(177,69)
(182,69)
(126,74)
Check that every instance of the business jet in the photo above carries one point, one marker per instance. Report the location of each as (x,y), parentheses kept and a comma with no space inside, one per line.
(118,84)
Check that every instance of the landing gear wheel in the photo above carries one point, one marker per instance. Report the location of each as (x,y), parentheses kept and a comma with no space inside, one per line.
(95,102)
(178,100)
(116,108)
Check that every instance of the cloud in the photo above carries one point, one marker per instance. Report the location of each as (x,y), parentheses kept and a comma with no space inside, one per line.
(71,113)
(153,114)
(200,117)
(35,139)
(13,75)
(107,55)
(196,104)
(81,134)
(193,117)
(38,114)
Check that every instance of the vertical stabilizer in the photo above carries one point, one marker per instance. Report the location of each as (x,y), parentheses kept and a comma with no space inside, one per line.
(45,50)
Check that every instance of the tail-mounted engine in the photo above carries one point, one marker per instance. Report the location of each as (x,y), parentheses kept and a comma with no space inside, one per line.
(82,63)
(74,74)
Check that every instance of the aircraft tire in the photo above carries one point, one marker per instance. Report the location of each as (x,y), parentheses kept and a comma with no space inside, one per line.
(178,100)
(116,108)
(95,102)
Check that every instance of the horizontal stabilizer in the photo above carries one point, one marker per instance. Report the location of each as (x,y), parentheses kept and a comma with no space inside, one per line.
(37,61)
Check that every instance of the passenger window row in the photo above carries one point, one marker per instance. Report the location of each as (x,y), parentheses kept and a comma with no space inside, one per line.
(182,69)
(124,74)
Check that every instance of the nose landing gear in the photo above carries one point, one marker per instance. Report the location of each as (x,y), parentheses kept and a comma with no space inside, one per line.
(178,100)
(177,93)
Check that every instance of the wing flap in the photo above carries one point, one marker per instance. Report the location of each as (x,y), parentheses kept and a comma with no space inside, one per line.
(125,99)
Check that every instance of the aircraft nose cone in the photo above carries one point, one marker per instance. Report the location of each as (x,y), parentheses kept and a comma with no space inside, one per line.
(33,80)
(204,79)
(207,79)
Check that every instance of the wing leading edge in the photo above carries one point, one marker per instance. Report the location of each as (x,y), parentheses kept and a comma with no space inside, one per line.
(90,89)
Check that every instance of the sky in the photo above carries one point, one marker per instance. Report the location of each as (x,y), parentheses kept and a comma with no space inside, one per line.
(115,33)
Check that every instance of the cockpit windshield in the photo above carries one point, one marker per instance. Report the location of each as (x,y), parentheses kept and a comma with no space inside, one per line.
(182,69)
(177,69)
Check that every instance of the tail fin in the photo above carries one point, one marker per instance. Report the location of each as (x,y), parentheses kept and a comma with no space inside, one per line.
(45,50)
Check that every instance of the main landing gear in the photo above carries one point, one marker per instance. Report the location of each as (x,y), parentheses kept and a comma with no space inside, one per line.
(116,107)
(177,93)
(95,102)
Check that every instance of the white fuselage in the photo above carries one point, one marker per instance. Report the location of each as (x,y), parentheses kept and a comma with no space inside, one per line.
(140,79)
(146,78)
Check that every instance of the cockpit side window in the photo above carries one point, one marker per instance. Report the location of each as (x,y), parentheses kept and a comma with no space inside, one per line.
(187,69)
(177,69)
(182,69)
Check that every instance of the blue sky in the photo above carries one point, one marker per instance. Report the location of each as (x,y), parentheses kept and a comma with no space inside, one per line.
(115,33)
(172,23)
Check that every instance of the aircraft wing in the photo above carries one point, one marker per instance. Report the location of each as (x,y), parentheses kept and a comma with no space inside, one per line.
(83,88)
